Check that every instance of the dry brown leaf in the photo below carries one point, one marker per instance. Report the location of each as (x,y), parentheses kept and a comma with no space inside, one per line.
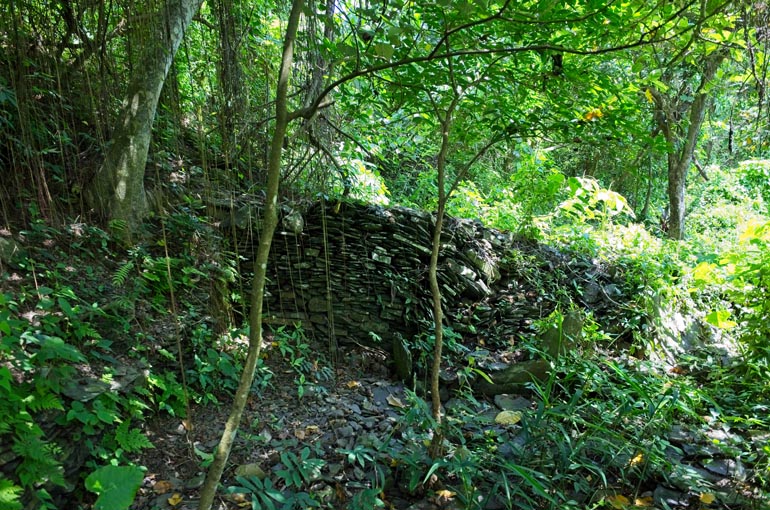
(299,434)
(352,384)
(394,401)
(162,487)
(175,499)
(340,493)
(707,498)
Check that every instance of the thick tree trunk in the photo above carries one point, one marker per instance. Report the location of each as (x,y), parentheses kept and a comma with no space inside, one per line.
(117,191)
(208,491)
(677,183)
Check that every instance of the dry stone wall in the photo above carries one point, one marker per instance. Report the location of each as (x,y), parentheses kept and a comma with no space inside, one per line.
(358,273)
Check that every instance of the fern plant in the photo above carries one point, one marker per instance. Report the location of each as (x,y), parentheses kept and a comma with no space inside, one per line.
(130,439)
(121,275)
(36,367)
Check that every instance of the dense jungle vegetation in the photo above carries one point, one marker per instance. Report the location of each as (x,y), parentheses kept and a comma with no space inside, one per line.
(631,136)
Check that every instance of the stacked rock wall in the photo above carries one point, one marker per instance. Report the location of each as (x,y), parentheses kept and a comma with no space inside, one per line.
(359,273)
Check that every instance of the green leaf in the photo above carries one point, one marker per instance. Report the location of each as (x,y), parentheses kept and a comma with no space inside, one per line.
(66,308)
(719,319)
(384,50)
(131,439)
(115,485)
(54,348)
(704,273)
(9,495)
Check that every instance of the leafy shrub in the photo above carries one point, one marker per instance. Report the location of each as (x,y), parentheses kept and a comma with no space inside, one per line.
(39,349)
(744,274)
(755,175)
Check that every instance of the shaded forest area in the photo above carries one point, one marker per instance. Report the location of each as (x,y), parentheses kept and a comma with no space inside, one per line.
(470,254)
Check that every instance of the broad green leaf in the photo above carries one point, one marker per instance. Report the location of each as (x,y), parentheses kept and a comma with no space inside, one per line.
(704,273)
(66,308)
(115,485)
(52,347)
(719,319)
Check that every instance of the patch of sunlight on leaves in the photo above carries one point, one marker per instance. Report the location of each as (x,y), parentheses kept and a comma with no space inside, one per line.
(720,319)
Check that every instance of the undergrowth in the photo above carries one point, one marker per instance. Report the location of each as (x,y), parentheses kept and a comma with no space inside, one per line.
(75,388)
(97,348)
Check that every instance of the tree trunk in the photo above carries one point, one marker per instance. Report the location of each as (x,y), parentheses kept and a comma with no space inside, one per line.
(679,162)
(677,183)
(230,79)
(117,191)
(208,491)
(437,444)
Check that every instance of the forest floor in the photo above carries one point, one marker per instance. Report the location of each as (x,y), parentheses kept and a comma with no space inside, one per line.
(359,428)
(606,431)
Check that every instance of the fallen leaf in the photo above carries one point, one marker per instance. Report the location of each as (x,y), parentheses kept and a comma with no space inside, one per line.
(637,460)
(444,495)
(299,434)
(175,499)
(252,469)
(645,501)
(340,493)
(618,501)
(508,417)
(707,498)
(162,487)
(352,384)
(312,429)
(239,499)
(394,401)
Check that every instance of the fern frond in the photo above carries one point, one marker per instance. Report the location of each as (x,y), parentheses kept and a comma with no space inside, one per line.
(121,275)
(43,402)
(33,448)
(118,226)
(9,495)
(131,439)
